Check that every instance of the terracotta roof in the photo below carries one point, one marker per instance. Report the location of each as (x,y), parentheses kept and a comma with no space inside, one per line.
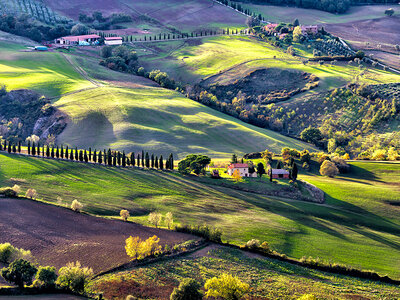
(236,166)
(113,38)
(279,171)
(77,38)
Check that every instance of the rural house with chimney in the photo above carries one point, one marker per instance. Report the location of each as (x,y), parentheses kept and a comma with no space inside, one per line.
(242,168)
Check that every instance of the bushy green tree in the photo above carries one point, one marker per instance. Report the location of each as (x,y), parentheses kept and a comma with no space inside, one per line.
(195,163)
(188,289)
(19,272)
(46,277)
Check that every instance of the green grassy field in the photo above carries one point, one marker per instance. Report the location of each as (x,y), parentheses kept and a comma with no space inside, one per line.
(353,227)
(227,57)
(47,72)
(268,279)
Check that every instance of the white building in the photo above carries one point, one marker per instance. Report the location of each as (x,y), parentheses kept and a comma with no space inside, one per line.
(242,168)
(114,40)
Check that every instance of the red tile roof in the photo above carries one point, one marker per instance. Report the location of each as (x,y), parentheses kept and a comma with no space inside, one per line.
(236,166)
(77,38)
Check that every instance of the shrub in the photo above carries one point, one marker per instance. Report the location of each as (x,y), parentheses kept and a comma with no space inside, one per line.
(9,253)
(17,189)
(8,192)
(307,297)
(329,169)
(76,206)
(20,272)
(188,289)
(253,244)
(45,277)
(226,287)
(74,277)
(211,234)
(138,249)
(124,214)
(31,193)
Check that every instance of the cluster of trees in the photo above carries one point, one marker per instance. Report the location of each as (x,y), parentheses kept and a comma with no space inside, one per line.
(136,248)
(99,22)
(21,271)
(120,58)
(109,158)
(244,10)
(195,163)
(25,26)
(156,218)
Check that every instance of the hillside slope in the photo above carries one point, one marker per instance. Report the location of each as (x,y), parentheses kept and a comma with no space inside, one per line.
(359,224)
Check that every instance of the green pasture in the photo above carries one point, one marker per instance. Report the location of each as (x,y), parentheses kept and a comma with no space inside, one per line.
(161,121)
(268,278)
(226,57)
(46,72)
(353,227)
(277,14)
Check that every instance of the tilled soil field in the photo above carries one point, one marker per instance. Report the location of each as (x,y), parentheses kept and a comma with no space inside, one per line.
(57,235)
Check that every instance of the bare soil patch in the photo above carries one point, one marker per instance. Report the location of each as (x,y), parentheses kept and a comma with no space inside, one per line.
(57,236)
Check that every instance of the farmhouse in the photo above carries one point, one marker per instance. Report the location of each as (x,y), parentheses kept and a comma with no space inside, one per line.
(242,168)
(278,173)
(270,27)
(312,29)
(82,40)
(114,40)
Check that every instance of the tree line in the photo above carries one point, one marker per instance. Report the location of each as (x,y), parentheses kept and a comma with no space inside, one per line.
(108,158)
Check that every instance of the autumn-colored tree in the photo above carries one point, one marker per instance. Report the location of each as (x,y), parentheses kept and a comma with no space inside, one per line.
(329,169)
(133,247)
(155,218)
(226,287)
(124,214)
(236,176)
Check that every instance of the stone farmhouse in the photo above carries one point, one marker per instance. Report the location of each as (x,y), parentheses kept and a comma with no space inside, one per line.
(279,173)
(242,168)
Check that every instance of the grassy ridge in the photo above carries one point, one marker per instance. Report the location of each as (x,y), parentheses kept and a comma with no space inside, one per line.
(48,72)
(360,231)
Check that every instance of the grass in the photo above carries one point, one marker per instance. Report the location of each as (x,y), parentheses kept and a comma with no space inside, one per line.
(46,72)
(228,57)
(267,278)
(352,227)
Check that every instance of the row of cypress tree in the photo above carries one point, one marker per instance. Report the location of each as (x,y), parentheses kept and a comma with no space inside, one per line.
(108,158)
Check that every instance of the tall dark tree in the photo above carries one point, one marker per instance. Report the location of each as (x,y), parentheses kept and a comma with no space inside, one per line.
(109,157)
(95,156)
(260,169)
(62,151)
(52,151)
(156,163)
(133,159)
(293,172)
(161,164)
(71,154)
(100,160)
(85,157)
(9,147)
(142,158)
(147,160)
(38,148)
(33,149)
(66,152)
(123,159)
(234,159)
(105,157)
(114,159)
(29,147)
(152,160)
(19,147)
(90,154)
(76,154)
(138,160)
(14,149)
(47,151)
(80,155)
(119,158)
(58,152)
(171,161)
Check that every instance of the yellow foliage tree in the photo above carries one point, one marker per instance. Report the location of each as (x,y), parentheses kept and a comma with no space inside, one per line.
(226,287)
(329,169)
(169,220)
(139,249)
(151,246)
(133,247)
(124,214)
(297,34)
(236,176)
(155,218)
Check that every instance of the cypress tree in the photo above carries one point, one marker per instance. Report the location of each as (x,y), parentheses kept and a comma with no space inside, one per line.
(142,158)
(66,152)
(43,151)
(104,157)
(133,159)
(58,152)
(278,165)
(19,147)
(119,158)
(171,161)
(156,163)
(9,147)
(1,146)
(138,160)
(76,154)
(294,172)
(5,145)
(14,149)
(109,157)
(100,157)
(85,157)
(167,164)
(38,149)
(33,149)
(62,151)
(52,151)
(71,154)
(114,159)
(29,147)
(80,155)
(161,163)
(123,159)
(95,156)
(48,151)
(147,160)
(152,160)
(90,154)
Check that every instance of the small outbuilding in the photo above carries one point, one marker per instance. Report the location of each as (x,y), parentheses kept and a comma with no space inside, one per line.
(243,170)
(279,173)
(113,40)
(81,40)
(41,48)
